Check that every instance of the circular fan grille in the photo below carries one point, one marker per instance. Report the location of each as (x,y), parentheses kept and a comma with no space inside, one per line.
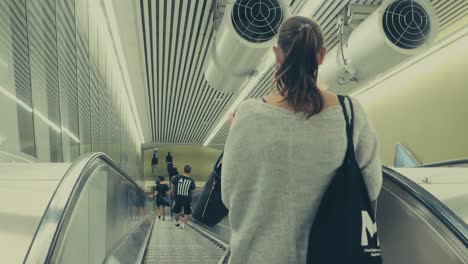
(406,24)
(257,20)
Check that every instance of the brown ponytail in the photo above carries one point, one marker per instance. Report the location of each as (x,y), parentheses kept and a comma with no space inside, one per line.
(301,41)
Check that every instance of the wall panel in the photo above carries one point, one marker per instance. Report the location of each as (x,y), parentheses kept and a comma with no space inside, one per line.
(61,86)
(17,132)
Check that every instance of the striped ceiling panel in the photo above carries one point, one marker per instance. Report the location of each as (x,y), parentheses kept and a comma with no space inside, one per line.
(184,109)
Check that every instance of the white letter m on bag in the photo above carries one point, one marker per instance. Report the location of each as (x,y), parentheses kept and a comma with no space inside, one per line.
(370,226)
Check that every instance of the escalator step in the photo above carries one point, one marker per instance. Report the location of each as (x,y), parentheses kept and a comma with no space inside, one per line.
(169,244)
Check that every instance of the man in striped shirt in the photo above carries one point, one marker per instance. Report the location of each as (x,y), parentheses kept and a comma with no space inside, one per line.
(182,187)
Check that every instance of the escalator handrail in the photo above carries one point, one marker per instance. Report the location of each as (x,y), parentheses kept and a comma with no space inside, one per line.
(47,234)
(445,163)
(452,221)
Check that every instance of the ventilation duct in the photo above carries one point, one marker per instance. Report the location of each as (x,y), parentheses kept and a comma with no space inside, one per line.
(244,37)
(397,30)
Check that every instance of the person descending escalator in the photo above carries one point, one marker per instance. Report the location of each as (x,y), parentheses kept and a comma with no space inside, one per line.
(169,164)
(154,163)
(318,145)
(173,172)
(161,198)
(169,158)
(182,188)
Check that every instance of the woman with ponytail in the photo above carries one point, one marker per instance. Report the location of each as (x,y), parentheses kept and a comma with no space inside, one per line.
(283,150)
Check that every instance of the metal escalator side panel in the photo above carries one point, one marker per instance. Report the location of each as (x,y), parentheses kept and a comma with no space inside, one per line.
(97,213)
(48,229)
(451,220)
(409,230)
(25,192)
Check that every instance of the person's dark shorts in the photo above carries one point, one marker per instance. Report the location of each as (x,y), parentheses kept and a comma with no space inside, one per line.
(160,202)
(177,208)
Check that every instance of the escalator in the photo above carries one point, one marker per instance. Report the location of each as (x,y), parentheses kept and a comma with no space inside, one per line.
(93,212)
(90,211)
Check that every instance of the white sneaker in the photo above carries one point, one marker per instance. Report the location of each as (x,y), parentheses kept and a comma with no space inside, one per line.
(182,226)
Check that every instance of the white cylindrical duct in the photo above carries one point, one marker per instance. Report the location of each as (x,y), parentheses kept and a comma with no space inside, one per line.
(247,32)
(397,30)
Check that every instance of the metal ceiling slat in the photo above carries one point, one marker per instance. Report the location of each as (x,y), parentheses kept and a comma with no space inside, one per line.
(299,6)
(147,65)
(211,115)
(200,46)
(454,17)
(211,107)
(189,83)
(154,24)
(219,137)
(181,82)
(176,65)
(333,44)
(222,136)
(438,4)
(448,11)
(213,118)
(267,80)
(199,107)
(196,110)
(159,11)
(201,103)
(165,61)
(204,105)
(335,9)
(168,67)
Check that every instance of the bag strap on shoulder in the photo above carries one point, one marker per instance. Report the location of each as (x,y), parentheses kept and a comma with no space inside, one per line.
(349,119)
(218,161)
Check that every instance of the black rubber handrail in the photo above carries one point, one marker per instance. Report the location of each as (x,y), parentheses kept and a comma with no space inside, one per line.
(448,163)
(47,234)
(452,221)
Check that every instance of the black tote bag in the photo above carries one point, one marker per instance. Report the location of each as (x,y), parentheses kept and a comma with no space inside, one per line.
(210,209)
(344,229)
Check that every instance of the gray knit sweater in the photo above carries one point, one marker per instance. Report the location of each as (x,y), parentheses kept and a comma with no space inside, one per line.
(276,167)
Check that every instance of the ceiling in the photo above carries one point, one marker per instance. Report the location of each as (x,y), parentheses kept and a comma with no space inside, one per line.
(166,45)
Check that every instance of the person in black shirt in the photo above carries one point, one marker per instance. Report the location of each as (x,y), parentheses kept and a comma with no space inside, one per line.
(154,163)
(168,158)
(160,192)
(182,187)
